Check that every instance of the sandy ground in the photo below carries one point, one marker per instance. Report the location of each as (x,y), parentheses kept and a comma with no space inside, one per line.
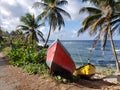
(13,78)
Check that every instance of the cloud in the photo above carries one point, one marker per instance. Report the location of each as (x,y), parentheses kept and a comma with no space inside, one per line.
(11,11)
(74,7)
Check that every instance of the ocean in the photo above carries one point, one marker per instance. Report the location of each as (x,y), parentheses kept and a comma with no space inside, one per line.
(81,54)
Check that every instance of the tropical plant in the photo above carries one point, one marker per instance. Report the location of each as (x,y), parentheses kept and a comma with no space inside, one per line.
(103,21)
(30,27)
(29,59)
(4,38)
(53,13)
(1,36)
(23,56)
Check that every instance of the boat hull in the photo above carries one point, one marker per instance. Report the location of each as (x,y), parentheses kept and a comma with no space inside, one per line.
(58,59)
(87,70)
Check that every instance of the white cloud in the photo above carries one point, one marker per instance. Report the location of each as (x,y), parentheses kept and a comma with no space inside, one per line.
(11,11)
(74,7)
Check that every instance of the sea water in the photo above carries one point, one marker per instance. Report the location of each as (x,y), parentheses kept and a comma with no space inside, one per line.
(80,51)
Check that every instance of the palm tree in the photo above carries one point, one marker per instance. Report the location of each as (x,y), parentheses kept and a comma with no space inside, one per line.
(30,27)
(53,14)
(104,18)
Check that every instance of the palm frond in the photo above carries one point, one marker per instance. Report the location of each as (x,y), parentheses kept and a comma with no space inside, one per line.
(39,5)
(81,30)
(24,20)
(104,39)
(90,20)
(22,27)
(63,12)
(60,20)
(28,19)
(96,24)
(43,15)
(41,35)
(40,25)
(62,2)
(90,10)
(111,2)
(116,16)
(97,38)
(27,34)
(115,21)
(53,20)
(40,32)
(116,27)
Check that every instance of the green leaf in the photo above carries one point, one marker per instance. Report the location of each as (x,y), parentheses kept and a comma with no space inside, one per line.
(96,24)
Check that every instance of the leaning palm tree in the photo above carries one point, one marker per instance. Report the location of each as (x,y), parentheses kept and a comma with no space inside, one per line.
(102,18)
(30,27)
(53,14)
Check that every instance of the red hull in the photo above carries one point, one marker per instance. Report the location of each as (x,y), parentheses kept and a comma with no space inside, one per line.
(58,59)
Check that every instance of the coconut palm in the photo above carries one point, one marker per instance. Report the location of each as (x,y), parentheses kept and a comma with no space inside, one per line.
(103,20)
(53,14)
(30,27)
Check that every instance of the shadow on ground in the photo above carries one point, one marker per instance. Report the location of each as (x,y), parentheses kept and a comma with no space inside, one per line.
(94,83)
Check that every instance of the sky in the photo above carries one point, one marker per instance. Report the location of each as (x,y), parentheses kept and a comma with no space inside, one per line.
(12,10)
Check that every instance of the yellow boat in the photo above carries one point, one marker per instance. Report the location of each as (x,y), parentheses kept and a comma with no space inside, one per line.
(87,70)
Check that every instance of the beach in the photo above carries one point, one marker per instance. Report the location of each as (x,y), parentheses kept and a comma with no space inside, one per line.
(14,78)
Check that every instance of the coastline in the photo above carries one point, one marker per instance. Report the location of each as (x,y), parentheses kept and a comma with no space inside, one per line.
(46,82)
(17,79)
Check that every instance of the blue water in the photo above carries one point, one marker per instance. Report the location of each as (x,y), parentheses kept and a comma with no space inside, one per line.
(80,52)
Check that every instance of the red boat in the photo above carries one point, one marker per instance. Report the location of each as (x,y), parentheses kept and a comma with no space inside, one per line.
(59,60)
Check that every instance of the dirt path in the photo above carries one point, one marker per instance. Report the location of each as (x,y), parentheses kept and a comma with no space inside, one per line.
(13,78)
(7,82)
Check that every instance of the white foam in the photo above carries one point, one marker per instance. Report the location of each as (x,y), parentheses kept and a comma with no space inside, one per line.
(41,43)
(91,49)
(118,50)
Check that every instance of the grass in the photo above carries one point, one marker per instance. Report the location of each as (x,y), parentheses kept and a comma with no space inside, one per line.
(32,68)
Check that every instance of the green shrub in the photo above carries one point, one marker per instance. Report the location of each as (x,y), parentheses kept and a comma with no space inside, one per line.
(15,56)
(28,58)
(41,56)
(35,68)
(28,55)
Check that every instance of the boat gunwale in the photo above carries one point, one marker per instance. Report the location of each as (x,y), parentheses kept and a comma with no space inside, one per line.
(84,66)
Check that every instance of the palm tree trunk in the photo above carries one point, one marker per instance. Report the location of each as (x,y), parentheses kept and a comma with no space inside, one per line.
(48,36)
(113,50)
